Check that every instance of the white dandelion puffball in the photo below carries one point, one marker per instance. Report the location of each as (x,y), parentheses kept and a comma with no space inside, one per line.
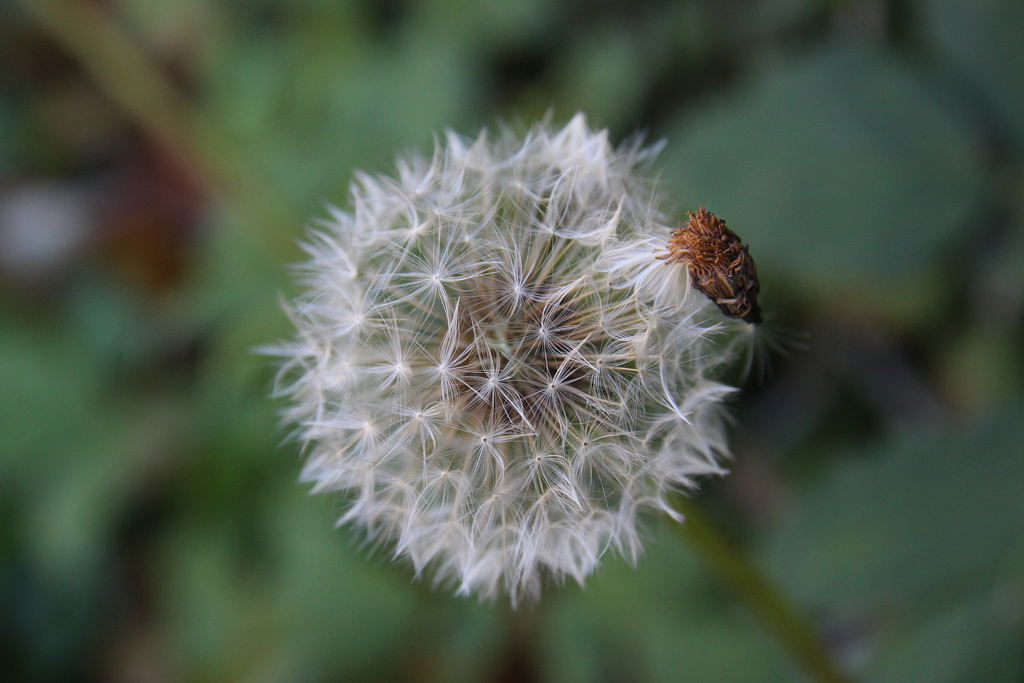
(495,366)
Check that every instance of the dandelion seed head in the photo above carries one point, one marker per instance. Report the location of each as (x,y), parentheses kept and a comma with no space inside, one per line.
(493,364)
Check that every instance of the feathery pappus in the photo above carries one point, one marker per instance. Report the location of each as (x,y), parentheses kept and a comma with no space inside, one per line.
(492,365)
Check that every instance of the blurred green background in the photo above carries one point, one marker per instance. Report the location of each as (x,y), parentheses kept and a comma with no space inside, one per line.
(151,527)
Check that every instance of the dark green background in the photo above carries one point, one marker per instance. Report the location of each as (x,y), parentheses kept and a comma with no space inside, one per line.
(870,152)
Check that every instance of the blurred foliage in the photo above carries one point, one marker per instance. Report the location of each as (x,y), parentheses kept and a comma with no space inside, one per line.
(870,152)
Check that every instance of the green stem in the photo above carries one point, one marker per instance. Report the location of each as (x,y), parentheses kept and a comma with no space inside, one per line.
(787,624)
(130,78)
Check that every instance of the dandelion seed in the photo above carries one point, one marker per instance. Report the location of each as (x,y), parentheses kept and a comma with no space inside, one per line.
(491,360)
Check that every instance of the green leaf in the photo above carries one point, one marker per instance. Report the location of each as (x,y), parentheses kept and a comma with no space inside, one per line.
(932,508)
(49,385)
(842,167)
(219,620)
(984,40)
(971,641)
(73,521)
(913,535)
(340,611)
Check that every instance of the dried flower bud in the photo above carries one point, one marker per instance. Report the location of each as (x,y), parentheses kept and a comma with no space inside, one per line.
(719,264)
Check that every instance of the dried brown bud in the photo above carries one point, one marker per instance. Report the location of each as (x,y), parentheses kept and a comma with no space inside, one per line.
(720,266)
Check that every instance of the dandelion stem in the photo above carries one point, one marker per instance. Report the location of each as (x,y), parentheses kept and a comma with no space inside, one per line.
(787,624)
(133,82)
